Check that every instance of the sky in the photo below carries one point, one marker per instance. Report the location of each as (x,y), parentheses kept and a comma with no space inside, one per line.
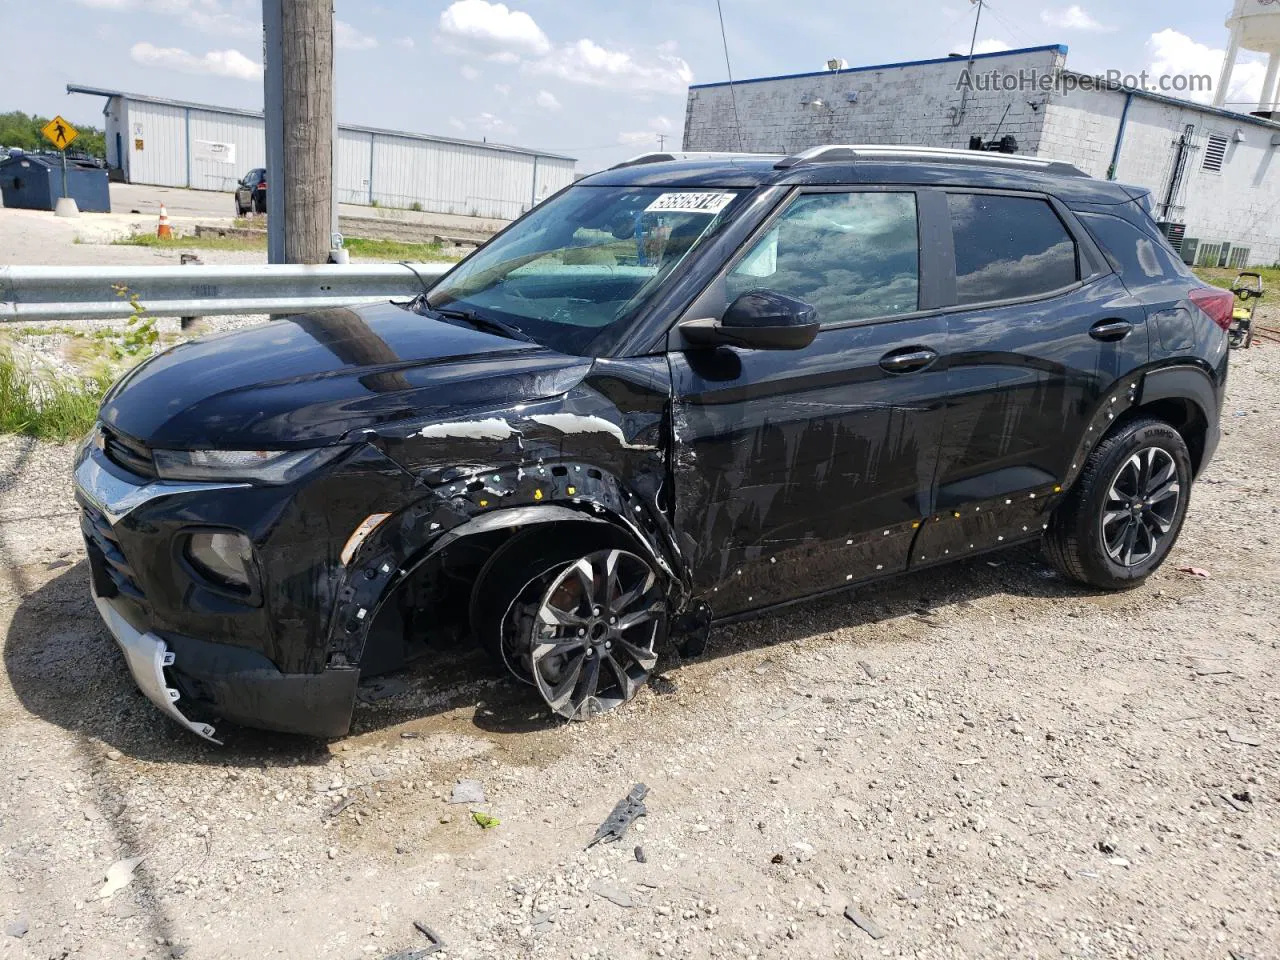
(599,80)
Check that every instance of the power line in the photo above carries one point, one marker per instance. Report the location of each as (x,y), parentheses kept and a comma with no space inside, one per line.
(733,96)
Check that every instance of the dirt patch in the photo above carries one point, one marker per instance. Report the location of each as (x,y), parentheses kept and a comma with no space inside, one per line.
(982,761)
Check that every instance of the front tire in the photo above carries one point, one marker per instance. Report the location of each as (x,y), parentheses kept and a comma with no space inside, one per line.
(577,613)
(1118,523)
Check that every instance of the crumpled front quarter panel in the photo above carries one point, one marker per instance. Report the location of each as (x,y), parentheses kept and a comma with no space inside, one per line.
(600,451)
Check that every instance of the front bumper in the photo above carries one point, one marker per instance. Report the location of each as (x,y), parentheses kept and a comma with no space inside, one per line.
(184,676)
(147,656)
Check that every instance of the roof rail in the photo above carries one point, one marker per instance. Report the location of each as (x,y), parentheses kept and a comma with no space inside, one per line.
(851,153)
(662,157)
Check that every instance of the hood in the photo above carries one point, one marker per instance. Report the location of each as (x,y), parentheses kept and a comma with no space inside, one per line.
(312,379)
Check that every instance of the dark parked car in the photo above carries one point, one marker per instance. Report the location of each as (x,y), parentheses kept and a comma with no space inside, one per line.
(251,193)
(678,392)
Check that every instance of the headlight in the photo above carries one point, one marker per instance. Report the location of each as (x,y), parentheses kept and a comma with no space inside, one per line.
(222,558)
(255,466)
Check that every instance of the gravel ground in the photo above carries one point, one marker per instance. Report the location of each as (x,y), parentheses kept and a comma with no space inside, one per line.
(984,761)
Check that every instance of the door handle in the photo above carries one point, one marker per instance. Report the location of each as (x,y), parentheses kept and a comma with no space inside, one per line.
(1109,331)
(909,360)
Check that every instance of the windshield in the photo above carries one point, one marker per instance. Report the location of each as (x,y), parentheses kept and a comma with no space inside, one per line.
(582,264)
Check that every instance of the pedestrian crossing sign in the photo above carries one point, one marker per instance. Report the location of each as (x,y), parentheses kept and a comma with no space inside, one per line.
(60,133)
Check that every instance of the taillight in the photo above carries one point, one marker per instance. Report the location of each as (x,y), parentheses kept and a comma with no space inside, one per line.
(262,185)
(1218,304)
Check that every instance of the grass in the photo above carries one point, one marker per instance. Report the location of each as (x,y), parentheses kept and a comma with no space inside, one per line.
(389,250)
(1225,278)
(46,406)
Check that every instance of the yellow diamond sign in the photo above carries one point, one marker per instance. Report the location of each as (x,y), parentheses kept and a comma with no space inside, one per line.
(60,133)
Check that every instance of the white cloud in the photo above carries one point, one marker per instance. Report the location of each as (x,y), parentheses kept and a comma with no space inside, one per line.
(1175,54)
(457,124)
(490,123)
(469,72)
(347,37)
(587,62)
(657,125)
(493,28)
(207,16)
(218,63)
(991,46)
(405,42)
(1073,17)
(547,100)
(502,89)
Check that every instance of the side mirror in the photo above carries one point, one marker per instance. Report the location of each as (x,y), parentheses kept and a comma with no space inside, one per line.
(759,320)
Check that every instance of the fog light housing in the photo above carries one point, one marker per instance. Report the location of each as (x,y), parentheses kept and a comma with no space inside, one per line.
(224,558)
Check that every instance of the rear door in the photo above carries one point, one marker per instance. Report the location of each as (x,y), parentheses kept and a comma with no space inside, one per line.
(806,470)
(1038,343)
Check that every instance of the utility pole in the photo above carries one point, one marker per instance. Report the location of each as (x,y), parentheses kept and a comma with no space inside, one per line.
(298,88)
(662,141)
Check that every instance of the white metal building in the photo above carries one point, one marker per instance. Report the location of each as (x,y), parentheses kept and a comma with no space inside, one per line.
(173,143)
(1214,174)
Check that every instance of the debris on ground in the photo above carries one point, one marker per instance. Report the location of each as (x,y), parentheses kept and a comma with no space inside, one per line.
(628,809)
(1197,572)
(866,924)
(1237,805)
(467,791)
(640,855)
(119,875)
(485,821)
(381,689)
(663,685)
(17,928)
(869,670)
(1107,846)
(612,894)
(1245,739)
(437,941)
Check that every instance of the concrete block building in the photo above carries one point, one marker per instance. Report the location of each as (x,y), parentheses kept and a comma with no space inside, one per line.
(1214,174)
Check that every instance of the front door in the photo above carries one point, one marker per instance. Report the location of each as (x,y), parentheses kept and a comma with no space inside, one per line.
(801,471)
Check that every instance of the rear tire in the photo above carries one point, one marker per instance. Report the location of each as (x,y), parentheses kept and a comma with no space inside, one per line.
(1118,523)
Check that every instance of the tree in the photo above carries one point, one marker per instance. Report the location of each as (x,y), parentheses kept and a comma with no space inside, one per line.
(18,129)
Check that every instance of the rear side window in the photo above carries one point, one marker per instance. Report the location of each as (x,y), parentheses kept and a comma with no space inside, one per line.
(854,256)
(1009,247)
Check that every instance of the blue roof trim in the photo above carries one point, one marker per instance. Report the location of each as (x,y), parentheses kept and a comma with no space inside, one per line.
(1056,47)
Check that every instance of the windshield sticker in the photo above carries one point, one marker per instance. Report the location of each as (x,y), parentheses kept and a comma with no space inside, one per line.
(708,203)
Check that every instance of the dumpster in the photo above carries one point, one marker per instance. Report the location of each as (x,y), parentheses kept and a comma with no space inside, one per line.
(31,181)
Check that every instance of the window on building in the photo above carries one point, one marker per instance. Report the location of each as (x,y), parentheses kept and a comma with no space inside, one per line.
(1009,247)
(1215,152)
(853,256)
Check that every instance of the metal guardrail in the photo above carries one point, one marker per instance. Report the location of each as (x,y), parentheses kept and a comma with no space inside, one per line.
(92,293)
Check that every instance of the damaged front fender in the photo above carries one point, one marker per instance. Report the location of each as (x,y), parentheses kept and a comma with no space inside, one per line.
(551,462)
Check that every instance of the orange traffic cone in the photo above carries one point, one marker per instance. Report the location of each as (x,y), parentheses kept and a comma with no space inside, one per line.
(164,231)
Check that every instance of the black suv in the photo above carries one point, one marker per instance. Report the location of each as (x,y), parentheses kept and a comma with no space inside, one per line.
(251,193)
(679,391)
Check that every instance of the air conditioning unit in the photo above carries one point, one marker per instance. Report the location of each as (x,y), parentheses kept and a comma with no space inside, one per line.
(1239,258)
(1174,233)
(1190,247)
(1209,254)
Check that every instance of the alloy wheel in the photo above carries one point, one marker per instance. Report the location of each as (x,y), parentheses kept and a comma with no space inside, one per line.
(594,633)
(1142,505)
